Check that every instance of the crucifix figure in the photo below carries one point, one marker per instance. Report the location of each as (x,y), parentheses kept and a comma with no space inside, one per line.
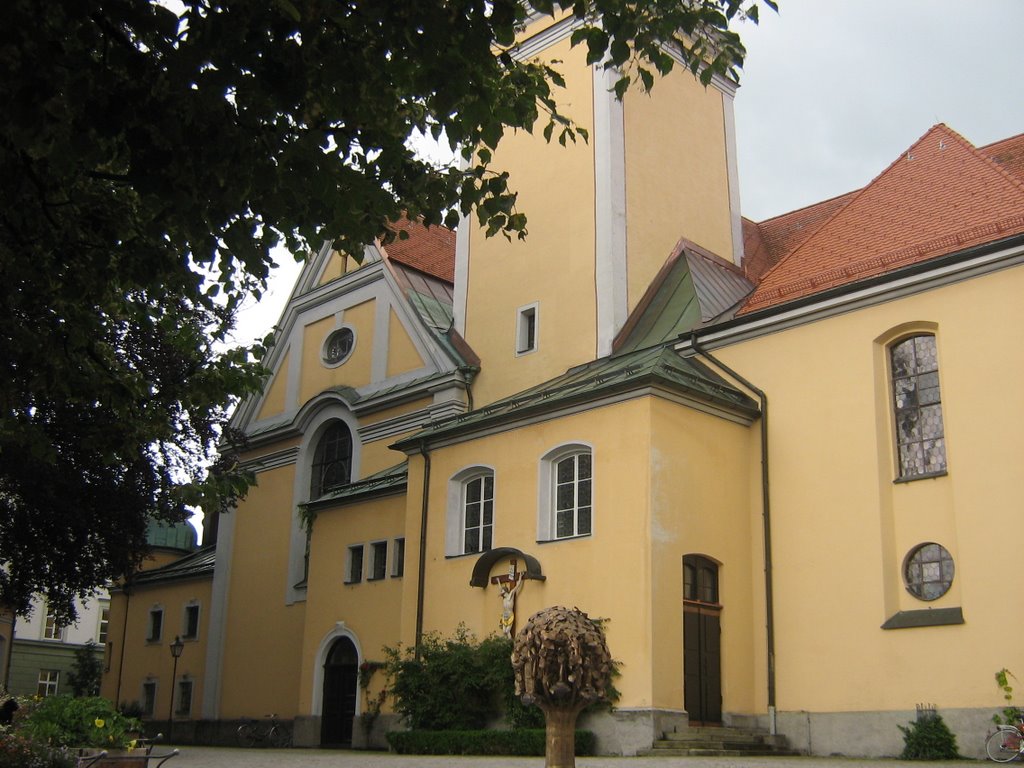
(510,584)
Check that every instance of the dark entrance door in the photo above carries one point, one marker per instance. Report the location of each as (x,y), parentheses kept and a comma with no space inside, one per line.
(702,641)
(341,687)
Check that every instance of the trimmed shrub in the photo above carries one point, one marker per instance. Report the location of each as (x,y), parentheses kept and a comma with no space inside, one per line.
(929,739)
(528,742)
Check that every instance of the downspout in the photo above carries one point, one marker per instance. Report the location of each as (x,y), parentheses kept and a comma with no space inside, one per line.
(424,505)
(766,520)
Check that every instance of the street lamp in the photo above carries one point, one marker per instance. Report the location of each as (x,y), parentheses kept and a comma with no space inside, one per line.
(176,648)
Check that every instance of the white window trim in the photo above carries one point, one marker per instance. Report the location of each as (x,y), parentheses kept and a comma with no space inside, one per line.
(397,559)
(348,564)
(194,603)
(455,516)
(323,347)
(522,325)
(48,682)
(374,546)
(149,623)
(546,485)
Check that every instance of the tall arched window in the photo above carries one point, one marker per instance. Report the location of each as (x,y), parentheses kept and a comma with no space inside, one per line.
(478,509)
(332,460)
(920,440)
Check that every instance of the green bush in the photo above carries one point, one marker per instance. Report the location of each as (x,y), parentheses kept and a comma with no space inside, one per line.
(522,742)
(64,721)
(458,683)
(929,739)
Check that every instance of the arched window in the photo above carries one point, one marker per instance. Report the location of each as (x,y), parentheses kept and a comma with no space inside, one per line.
(917,405)
(332,460)
(572,495)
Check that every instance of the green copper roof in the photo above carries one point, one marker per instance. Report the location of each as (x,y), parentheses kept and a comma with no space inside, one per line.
(386,481)
(171,536)
(198,564)
(659,367)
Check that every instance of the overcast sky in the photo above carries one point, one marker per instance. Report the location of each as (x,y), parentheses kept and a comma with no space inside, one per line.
(834,90)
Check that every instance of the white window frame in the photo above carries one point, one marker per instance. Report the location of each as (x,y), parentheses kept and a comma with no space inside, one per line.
(546,526)
(350,576)
(190,605)
(51,629)
(50,685)
(378,550)
(398,557)
(103,623)
(181,710)
(155,686)
(150,636)
(455,517)
(527,329)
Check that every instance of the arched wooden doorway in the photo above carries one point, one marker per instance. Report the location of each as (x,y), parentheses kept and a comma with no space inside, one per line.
(341,690)
(702,641)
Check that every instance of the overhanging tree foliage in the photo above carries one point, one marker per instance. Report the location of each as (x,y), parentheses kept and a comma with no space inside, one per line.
(151,158)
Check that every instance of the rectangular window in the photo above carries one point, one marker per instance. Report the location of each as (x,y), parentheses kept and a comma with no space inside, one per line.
(379,560)
(149,698)
(101,635)
(478,507)
(184,707)
(398,559)
(354,571)
(48,682)
(156,625)
(191,628)
(51,629)
(526,329)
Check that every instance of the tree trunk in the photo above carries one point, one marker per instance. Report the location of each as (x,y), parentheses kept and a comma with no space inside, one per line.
(560,726)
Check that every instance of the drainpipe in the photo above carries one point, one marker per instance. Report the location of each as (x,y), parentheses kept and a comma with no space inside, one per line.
(765,522)
(424,505)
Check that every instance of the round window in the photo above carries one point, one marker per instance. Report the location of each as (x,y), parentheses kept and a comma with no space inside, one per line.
(338,346)
(928,571)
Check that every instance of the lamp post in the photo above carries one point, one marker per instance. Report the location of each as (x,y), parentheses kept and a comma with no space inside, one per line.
(176,648)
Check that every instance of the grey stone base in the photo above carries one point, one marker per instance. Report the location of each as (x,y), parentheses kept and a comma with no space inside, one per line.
(627,731)
(871,734)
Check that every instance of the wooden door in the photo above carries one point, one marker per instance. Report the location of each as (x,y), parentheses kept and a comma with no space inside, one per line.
(702,641)
(341,689)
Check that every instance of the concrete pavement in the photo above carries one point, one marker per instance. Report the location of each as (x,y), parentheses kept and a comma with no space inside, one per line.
(228,757)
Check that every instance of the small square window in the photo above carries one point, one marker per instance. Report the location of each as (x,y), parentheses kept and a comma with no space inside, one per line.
(48,682)
(526,329)
(354,571)
(398,559)
(379,560)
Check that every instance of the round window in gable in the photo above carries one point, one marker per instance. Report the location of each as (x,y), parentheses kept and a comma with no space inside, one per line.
(338,346)
(928,571)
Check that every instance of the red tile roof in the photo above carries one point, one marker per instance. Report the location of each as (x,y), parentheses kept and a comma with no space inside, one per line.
(1009,153)
(941,196)
(428,249)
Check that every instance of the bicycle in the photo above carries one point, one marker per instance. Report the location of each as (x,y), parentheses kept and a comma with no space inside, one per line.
(251,733)
(1006,743)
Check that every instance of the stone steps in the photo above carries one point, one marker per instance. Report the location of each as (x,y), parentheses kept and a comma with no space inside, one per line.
(706,741)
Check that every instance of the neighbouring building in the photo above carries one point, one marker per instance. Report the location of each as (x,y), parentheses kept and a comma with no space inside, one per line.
(770,454)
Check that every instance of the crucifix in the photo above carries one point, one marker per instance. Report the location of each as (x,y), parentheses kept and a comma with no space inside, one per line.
(510,584)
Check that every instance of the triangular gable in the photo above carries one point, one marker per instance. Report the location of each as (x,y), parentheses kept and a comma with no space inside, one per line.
(692,288)
(314,302)
(939,197)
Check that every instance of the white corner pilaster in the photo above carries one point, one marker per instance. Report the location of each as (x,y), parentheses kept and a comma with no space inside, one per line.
(735,215)
(609,210)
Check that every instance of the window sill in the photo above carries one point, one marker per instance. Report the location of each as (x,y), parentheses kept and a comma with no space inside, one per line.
(565,538)
(926,617)
(927,476)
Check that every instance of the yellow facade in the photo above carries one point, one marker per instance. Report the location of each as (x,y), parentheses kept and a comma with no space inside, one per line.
(789,566)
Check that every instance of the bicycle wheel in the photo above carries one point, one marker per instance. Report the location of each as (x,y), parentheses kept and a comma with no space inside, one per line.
(280,737)
(1003,745)
(247,736)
